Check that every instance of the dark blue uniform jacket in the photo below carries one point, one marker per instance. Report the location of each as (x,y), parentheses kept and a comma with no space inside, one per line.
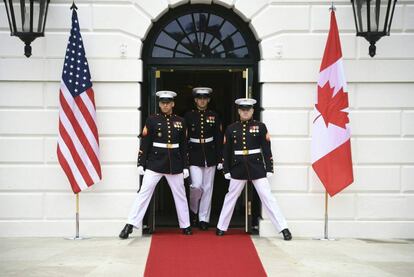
(165,129)
(203,125)
(247,136)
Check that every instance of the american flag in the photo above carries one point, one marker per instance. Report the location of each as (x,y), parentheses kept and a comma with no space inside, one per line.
(78,142)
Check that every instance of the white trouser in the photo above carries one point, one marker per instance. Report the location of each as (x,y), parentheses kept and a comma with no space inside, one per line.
(202,178)
(268,201)
(143,198)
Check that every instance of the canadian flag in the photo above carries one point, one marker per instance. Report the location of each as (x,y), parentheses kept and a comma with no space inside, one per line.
(331,137)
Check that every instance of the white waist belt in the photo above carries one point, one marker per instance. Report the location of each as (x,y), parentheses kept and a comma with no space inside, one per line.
(201,140)
(246,152)
(165,145)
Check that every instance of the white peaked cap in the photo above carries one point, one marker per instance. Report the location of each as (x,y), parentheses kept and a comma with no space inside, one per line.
(166,94)
(245,102)
(202,90)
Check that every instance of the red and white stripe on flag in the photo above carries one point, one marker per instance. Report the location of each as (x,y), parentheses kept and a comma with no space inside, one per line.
(331,136)
(78,142)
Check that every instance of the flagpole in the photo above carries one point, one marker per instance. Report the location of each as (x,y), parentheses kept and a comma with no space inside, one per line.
(326,216)
(325,229)
(77,236)
(77,216)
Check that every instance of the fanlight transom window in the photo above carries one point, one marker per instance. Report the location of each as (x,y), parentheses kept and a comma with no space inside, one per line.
(200,35)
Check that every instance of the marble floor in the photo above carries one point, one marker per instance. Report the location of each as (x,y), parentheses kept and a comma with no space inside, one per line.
(115,257)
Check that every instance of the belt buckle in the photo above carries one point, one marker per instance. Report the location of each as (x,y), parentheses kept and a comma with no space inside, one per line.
(245,152)
(202,140)
(169,145)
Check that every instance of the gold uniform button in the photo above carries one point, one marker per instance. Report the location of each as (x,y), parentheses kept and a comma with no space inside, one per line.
(244,147)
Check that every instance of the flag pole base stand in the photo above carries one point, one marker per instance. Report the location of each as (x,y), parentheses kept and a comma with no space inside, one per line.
(325,239)
(77,238)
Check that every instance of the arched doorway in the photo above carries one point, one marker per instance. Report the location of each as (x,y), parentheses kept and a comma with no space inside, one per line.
(201,45)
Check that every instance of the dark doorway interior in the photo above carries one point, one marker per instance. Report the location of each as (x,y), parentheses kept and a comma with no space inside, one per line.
(227,85)
(201,45)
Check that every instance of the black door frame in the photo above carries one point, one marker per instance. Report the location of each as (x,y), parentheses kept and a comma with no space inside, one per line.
(150,64)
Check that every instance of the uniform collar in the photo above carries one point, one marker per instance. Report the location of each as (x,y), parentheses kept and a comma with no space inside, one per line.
(247,122)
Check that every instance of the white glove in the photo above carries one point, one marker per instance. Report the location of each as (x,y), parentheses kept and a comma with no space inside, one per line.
(269,174)
(141,170)
(219,166)
(186,173)
(227,176)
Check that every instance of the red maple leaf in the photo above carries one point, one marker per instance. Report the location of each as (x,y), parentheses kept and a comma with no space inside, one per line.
(331,107)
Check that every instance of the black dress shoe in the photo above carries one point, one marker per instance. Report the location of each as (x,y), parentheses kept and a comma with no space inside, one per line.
(286,234)
(219,232)
(126,231)
(203,225)
(187,231)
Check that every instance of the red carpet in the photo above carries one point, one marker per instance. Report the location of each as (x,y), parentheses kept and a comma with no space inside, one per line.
(203,254)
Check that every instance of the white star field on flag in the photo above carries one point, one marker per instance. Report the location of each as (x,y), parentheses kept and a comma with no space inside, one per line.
(76,71)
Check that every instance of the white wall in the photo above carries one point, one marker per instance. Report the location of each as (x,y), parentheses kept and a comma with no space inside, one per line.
(35,197)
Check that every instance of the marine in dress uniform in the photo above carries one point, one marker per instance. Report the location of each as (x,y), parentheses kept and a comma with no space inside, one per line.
(247,156)
(204,149)
(163,152)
